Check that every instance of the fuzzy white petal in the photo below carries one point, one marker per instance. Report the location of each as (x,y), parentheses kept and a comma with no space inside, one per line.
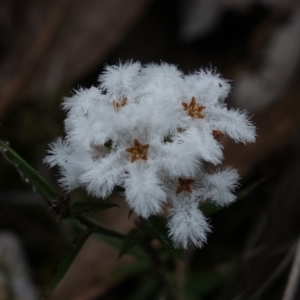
(207,86)
(101,176)
(119,80)
(59,152)
(144,193)
(82,101)
(234,123)
(219,186)
(187,225)
(204,143)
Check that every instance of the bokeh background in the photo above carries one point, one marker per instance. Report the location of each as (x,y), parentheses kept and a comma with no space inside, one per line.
(48,48)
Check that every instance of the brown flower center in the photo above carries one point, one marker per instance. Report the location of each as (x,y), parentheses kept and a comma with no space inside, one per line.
(138,151)
(216,133)
(184,185)
(193,109)
(117,105)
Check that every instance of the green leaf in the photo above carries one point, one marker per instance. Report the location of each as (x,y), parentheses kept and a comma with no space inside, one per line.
(135,251)
(113,238)
(68,259)
(84,208)
(131,239)
(28,173)
(208,209)
(158,227)
(242,193)
(202,283)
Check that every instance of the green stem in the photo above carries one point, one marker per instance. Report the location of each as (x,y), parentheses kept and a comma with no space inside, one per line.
(158,267)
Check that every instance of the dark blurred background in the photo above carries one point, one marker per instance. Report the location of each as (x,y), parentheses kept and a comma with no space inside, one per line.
(48,48)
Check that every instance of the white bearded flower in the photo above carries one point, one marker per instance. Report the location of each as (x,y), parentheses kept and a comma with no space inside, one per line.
(149,129)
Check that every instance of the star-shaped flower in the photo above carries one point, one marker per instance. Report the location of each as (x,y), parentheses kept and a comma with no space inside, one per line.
(193,109)
(139,151)
(117,105)
(184,185)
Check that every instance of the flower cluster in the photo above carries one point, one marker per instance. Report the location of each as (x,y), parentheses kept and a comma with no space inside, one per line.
(150,129)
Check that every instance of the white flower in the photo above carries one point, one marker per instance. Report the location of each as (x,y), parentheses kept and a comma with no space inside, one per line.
(149,129)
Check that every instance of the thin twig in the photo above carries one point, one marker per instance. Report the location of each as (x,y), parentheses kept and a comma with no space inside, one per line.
(158,266)
(158,270)
(291,287)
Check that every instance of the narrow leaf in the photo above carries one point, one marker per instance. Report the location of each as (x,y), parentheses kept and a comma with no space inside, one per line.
(202,283)
(114,239)
(28,173)
(242,193)
(158,227)
(209,208)
(135,251)
(68,259)
(84,208)
(131,239)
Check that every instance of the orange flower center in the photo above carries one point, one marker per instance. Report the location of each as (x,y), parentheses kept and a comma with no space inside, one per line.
(193,109)
(138,151)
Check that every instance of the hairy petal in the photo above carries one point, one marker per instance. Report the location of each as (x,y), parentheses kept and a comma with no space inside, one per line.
(144,193)
(234,123)
(187,225)
(219,186)
(101,176)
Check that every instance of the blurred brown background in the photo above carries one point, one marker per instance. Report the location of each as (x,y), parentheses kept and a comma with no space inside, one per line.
(48,48)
